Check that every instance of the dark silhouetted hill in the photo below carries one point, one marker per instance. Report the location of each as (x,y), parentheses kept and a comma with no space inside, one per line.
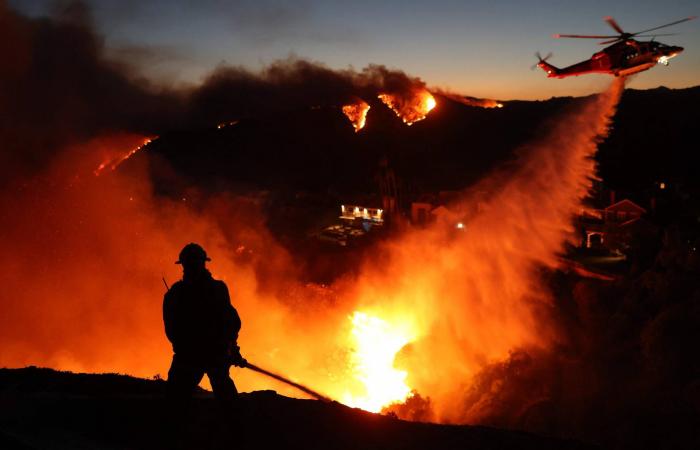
(317,150)
(42,408)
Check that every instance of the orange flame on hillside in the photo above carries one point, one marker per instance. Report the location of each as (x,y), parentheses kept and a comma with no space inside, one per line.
(470,101)
(357,114)
(484,102)
(113,163)
(226,124)
(375,345)
(411,107)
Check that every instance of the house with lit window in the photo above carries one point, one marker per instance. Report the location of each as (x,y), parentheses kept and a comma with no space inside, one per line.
(613,227)
(355,213)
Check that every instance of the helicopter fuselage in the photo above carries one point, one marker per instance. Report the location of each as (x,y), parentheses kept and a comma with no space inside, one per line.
(620,59)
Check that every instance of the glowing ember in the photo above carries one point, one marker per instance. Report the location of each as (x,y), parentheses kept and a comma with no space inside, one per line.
(115,162)
(410,109)
(226,124)
(376,343)
(357,113)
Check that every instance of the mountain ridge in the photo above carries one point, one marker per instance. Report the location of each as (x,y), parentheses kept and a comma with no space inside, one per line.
(316,149)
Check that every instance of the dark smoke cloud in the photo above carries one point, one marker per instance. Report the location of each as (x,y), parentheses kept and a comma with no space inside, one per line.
(291,84)
(59,88)
(56,88)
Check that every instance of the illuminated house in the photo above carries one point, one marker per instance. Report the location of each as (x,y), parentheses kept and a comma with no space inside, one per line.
(356,221)
(354,213)
(610,228)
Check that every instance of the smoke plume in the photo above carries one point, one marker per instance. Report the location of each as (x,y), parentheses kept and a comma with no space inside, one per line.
(59,89)
(476,295)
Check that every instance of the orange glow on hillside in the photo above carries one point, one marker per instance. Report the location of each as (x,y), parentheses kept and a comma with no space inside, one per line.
(470,101)
(114,162)
(375,344)
(357,114)
(411,107)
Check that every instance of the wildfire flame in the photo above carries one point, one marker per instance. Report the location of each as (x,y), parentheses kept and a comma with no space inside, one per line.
(488,103)
(113,163)
(471,101)
(376,343)
(357,113)
(410,109)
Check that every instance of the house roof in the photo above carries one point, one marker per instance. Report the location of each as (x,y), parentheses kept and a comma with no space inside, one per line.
(626,205)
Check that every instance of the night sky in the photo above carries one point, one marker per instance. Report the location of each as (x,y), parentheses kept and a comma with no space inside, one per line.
(481,48)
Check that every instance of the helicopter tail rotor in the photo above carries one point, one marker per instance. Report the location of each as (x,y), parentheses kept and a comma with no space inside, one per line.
(552,71)
(540,59)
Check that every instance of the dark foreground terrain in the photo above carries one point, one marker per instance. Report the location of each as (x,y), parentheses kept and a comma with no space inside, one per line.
(43,408)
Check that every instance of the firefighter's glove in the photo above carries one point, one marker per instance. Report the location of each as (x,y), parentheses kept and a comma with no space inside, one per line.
(236,358)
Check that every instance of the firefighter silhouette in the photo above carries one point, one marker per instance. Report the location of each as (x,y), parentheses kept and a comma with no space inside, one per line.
(203,327)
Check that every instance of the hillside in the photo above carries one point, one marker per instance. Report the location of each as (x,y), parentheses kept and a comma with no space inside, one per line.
(317,150)
(42,408)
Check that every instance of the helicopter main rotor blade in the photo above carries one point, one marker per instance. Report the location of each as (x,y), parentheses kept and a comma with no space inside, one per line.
(664,26)
(614,24)
(655,35)
(611,41)
(582,36)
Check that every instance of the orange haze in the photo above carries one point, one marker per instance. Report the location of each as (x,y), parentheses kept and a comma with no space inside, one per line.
(83,259)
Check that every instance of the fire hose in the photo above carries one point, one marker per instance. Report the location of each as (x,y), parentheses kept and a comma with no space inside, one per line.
(277,377)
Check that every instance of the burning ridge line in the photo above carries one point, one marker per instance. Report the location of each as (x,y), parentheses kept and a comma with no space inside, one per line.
(467,100)
(411,107)
(113,163)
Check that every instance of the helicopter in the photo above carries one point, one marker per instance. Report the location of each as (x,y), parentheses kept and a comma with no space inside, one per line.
(625,56)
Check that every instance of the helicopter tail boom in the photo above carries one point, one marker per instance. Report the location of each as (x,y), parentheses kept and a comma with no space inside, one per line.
(552,71)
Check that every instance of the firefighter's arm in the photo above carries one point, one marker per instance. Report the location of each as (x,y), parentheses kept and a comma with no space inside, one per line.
(233,327)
